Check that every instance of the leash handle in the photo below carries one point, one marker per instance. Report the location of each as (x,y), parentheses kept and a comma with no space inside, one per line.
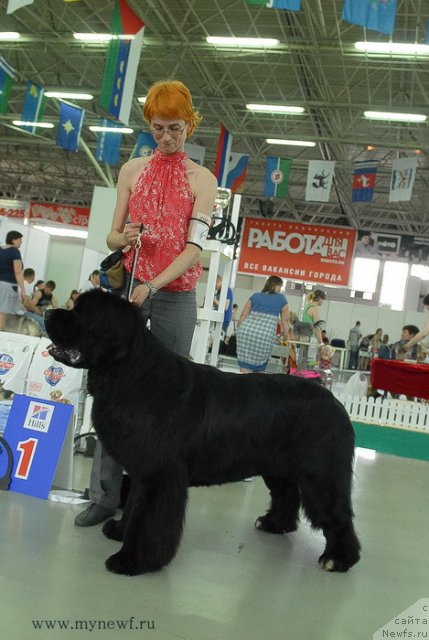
(133,268)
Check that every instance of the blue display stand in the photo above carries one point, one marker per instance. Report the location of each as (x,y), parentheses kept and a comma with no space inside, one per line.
(35,432)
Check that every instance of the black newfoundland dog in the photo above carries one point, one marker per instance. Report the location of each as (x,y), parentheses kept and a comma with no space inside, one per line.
(172,424)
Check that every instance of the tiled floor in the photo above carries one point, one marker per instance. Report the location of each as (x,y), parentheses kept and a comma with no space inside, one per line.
(228,581)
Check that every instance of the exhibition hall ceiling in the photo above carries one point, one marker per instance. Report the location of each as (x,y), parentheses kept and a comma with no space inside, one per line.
(315,66)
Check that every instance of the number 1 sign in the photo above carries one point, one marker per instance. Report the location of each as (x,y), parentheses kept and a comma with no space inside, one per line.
(35,431)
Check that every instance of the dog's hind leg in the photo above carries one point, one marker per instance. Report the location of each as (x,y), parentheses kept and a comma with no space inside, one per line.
(283,514)
(153,525)
(328,507)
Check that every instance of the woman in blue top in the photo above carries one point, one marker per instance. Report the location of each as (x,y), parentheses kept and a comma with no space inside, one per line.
(257,326)
(12,291)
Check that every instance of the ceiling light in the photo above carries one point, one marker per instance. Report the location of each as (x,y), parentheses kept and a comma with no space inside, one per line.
(274,108)
(9,35)
(393,48)
(293,143)
(398,117)
(69,95)
(111,129)
(102,37)
(59,231)
(43,125)
(243,42)
(141,99)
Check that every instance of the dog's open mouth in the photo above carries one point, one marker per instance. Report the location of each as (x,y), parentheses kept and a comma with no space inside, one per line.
(71,357)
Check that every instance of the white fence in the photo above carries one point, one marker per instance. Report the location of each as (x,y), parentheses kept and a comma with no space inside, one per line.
(403,414)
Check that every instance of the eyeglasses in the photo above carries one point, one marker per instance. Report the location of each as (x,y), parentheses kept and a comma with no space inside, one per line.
(172,130)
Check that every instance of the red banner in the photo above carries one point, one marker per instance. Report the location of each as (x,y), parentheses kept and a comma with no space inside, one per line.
(297,251)
(60,213)
(13,209)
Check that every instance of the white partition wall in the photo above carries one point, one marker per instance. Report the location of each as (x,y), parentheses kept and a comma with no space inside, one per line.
(100,221)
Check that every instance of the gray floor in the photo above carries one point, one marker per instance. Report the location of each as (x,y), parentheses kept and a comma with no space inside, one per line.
(228,580)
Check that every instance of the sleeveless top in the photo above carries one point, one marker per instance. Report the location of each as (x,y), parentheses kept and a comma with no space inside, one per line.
(305,316)
(162,199)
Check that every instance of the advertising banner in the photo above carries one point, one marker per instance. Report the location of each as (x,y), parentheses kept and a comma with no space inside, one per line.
(35,432)
(63,213)
(297,251)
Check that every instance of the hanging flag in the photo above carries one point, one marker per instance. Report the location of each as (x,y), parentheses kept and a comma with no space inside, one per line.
(402,179)
(34,105)
(122,61)
(288,5)
(109,143)
(261,3)
(237,170)
(70,126)
(427,32)
(319,180)
(277,172)
(7,76)
(364,177)
(222,156)
(377,15)
(13,5)
(145,145)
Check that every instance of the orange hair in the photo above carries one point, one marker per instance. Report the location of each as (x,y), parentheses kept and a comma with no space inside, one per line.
(171,99)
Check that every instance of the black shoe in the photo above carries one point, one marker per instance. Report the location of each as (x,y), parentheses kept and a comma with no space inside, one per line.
(94,514)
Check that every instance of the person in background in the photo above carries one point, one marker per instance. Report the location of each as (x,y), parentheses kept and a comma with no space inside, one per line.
(256,333)
(44,298)
(355,335)
(375,342)
(72,299)
(173,197)
(408,333)
(38,286)
(228,304)
(93,281)
(12,290)
(366,246)
(31,310)
(311,312)
(325,338)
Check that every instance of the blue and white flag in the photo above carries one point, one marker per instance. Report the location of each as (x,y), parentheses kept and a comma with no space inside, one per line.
(34,105)
(109,143)
(145,145)
(319,180)
(377,15)
(288,5)
(237,171)
(402,179)
(70,126)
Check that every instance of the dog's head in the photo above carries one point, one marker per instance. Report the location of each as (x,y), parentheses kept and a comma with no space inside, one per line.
(99,330)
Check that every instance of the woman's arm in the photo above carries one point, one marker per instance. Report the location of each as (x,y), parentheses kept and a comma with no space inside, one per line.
(205,194)
(122,235)
(246,310)
(17,269)
(285,320)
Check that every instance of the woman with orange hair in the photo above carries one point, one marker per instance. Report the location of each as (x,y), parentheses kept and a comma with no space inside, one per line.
(173,198)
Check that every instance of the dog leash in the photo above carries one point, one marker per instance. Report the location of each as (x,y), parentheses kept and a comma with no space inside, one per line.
(133,268)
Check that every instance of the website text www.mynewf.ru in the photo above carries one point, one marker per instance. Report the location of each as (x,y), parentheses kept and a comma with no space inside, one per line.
(131,623)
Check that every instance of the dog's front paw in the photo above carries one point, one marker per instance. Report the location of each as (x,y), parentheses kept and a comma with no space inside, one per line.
(113,529)
(339,564)
(123,563)
(265,523)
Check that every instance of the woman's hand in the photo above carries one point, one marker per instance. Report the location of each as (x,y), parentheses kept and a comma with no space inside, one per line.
(130,233)
(139,294)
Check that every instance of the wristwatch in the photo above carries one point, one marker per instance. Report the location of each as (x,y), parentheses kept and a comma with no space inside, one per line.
(152,288)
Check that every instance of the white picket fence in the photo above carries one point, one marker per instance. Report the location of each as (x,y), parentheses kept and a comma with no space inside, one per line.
(403,414)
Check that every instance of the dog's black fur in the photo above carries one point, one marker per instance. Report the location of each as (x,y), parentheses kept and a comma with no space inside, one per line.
(172,424)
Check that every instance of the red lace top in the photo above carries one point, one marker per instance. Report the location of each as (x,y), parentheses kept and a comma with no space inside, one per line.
(162,199)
